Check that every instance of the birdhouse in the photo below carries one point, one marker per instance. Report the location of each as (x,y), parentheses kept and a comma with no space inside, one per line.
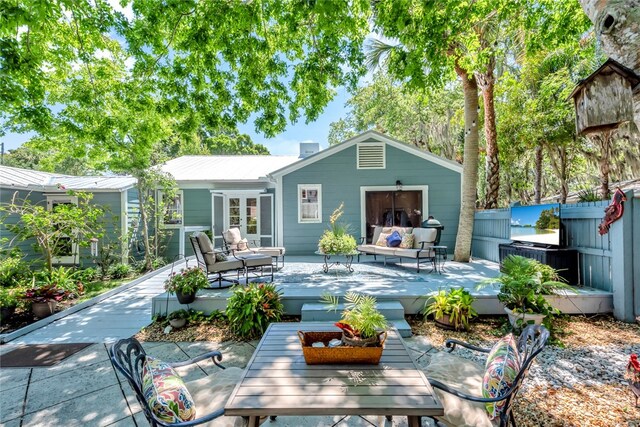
(604,100)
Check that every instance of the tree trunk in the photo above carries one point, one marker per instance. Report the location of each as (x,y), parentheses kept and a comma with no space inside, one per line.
(148,264)
(462,251)
(486,82)
(605,155)
(537,186)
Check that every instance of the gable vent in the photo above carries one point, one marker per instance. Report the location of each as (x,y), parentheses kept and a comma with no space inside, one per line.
(371,156)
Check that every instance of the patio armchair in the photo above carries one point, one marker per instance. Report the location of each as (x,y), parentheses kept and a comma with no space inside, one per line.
(458,382)
(163,396)
(237,245)
(208,260)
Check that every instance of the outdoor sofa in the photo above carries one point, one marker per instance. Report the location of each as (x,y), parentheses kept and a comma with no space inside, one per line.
(420,248)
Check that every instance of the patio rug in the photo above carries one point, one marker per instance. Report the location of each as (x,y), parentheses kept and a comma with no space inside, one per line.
(37,355)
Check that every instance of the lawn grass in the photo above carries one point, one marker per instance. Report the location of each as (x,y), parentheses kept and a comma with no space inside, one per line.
(93,289)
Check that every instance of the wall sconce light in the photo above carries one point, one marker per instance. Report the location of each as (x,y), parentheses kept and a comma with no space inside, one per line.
(398,185)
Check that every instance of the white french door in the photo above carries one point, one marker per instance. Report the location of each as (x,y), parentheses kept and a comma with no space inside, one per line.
(243,212)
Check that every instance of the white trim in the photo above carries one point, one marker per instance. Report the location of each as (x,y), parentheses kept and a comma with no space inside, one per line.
(361,138)
(317,187)
(279,212)
(371,144)
(124,226)
(161,223)
(75,249)
(364,189)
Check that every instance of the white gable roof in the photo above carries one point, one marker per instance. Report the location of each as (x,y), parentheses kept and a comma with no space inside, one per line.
(44,181)
(370,134)
(246,168)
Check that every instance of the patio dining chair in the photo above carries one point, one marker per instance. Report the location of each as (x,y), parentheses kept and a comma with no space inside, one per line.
(237,245)
(459,383)
(163,396)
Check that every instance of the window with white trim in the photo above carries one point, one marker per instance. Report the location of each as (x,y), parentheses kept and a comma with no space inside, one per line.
(173,209)
(309,203)
(66,250)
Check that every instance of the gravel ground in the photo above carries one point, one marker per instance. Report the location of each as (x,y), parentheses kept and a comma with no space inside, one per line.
(577,381)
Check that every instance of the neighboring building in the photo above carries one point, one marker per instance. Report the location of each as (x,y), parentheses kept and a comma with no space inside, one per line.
(117,194)
(286,200)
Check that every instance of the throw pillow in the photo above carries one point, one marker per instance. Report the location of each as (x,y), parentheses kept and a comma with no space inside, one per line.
(232,236)
(394,240)
(242,245)
(220,256)
(407,241)
(382,240)
(502,367)
(166,393)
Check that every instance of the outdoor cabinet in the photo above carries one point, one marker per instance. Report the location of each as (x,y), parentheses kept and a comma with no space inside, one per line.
(564,260)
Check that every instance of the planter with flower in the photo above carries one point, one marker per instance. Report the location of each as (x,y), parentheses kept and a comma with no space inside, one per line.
(633,376)
(186,284)
(44,298)
(337,240)
(452,309)
(362,336)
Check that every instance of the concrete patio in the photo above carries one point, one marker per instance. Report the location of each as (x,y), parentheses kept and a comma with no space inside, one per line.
(84,390)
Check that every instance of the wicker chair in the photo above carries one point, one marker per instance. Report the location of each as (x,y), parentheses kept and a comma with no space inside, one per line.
(463,376)
(209,393)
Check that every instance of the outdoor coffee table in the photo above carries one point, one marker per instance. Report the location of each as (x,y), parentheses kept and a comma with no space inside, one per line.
(346,264)
(277,381)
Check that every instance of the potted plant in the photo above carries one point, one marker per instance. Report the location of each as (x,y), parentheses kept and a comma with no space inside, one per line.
(44,298)
(361,323)
(186,284)
(452,309)
(337,239)
(523,284)
(178,318)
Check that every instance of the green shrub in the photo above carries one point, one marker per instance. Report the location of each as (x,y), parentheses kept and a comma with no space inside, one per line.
(9,297)
(337,239)
(87,275)
(120,271)
(62,278)
(14,272)
(178,314)
(251,308)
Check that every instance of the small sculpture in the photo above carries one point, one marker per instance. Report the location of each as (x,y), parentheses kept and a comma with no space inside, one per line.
(613,212)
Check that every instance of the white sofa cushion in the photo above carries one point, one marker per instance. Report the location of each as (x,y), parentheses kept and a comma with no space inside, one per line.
(424,235)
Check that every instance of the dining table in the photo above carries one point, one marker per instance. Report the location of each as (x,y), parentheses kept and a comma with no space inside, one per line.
(278,382)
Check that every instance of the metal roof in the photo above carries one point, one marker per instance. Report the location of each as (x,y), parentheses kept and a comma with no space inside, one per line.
(45,181)
(225,168)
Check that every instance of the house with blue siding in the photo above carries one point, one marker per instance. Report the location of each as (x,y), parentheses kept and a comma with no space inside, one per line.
(118,194)
(381,181)
(287,200)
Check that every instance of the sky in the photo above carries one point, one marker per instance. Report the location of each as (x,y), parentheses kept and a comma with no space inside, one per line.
(528,215)
(284,144)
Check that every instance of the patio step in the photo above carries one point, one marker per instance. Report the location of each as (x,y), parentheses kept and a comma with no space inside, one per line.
(392,310)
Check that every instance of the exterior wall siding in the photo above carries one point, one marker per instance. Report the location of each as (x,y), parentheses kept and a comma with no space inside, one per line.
(7,240)
(580,222)
(111,221)
(341,182)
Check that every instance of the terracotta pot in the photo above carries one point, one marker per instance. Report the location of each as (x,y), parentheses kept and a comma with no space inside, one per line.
(445,323)
(185,298)
(177,323)
(44,309)
(527,318)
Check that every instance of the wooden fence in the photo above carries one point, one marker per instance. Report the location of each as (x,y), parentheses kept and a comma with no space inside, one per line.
(605,262)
